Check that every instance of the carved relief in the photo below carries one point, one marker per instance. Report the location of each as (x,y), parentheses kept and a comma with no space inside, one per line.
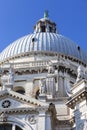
(32,119)
(6,104)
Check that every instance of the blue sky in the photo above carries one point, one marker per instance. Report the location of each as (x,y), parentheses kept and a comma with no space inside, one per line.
(17,18)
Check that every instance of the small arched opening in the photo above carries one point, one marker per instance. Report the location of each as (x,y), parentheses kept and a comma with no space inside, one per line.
(37,94)
(20,90)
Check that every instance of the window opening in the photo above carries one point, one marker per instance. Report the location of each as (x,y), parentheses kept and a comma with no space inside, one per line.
(43,29)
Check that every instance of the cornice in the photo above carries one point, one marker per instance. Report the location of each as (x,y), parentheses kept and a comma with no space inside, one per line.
(23,110)
(78,97)
(47,53)
(69,122)
(22,98)
(79,83)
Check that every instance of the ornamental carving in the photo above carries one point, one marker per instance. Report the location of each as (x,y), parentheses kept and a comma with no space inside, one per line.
(6,104)
(32,119)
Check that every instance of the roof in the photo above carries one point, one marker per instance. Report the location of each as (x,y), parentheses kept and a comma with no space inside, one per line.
(43,41)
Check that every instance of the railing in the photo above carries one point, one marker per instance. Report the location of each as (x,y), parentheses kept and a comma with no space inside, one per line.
(31,64)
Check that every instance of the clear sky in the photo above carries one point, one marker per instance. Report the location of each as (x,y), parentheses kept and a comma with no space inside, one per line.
(17,18)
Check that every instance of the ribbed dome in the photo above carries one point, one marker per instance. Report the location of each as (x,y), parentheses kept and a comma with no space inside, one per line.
(43,41)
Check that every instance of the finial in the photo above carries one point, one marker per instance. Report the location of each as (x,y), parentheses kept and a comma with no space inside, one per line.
(46,14)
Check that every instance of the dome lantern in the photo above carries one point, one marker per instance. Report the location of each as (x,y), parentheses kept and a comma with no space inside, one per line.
(45,25)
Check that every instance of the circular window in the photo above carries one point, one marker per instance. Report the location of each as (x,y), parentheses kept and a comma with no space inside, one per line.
(6,104)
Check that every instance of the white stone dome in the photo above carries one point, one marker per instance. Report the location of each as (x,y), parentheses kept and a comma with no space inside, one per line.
(44,39)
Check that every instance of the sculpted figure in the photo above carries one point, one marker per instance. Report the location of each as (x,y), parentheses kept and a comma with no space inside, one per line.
(80,73)
(42,86)
(11,76)
(67,84)
(50,68)
(8,79)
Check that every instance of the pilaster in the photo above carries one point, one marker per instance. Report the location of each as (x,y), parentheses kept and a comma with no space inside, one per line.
(48,122)
(42,120)
(13,127)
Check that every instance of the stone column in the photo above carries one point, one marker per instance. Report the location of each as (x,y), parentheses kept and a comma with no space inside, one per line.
(48,122)
(61,84)
(42,120)
(13,127)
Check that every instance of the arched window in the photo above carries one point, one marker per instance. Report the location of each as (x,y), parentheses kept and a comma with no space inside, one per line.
(19,90)
(43,28)
(8,127)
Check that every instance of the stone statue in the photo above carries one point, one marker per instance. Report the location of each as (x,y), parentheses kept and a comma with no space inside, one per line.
(8,79)
(50,68)
(80,73)
(42,86)
(11,76)
(67,84)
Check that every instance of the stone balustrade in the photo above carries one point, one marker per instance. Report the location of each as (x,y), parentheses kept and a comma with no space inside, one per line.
(31,64)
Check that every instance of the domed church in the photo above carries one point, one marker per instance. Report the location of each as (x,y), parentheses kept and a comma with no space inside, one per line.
(43,82)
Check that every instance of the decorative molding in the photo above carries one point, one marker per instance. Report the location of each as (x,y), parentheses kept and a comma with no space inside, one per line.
(78,97)
(23,110)
(6,104)
(32,119)
(22,98)
(44,53)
